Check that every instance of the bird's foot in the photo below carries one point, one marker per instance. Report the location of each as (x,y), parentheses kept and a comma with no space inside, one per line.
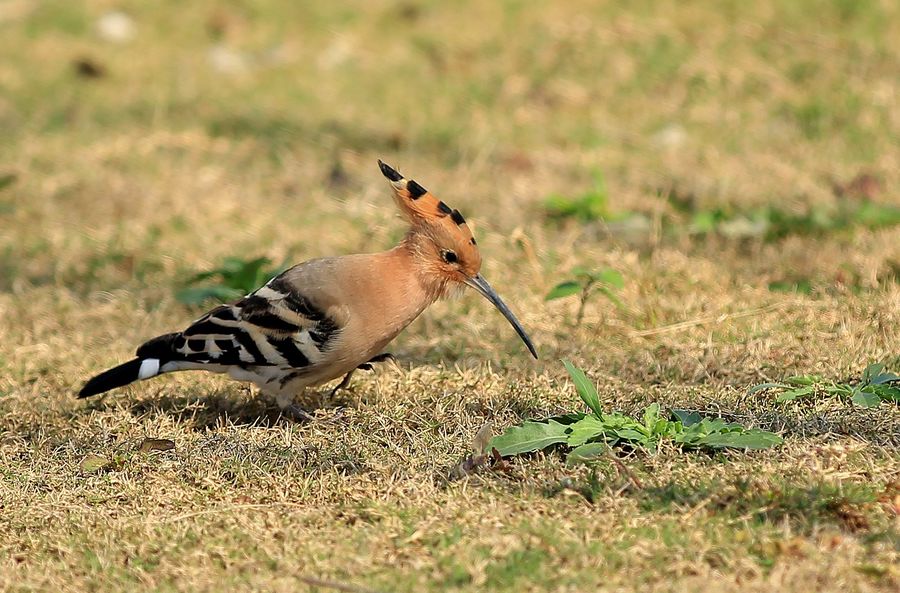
(289,409)
(296,413)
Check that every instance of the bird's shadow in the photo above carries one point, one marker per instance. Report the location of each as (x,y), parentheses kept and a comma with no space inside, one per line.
(203,411)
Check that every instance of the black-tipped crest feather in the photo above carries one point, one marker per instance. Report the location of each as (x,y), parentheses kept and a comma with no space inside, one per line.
(415,190)
(389,171)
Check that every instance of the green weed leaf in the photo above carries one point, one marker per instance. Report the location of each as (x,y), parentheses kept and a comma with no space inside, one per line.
(588,435)
(686,418)
(792,394)
(874,374)
(585,388)
(865,399)
(885,392)
(530,436)
(586,429)
(875,385)
(563,289)
(586,453)
(610,277)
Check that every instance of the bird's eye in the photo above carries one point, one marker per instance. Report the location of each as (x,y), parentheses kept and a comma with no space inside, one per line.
(450,256)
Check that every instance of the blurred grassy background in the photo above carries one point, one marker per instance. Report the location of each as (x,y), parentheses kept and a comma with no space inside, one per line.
(738,163)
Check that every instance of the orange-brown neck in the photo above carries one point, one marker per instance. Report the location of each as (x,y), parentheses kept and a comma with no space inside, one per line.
(418,256)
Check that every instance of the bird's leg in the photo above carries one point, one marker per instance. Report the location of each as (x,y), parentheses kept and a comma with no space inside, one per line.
(290,409)
(366,366)
(344,382)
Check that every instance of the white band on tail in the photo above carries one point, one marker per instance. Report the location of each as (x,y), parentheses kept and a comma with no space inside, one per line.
(149,368)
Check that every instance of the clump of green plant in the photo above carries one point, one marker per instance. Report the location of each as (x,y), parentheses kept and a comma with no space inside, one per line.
(585,282)
(590,435)
(236,277)
(854,207)
(589,206)
(875,385)
(772,222)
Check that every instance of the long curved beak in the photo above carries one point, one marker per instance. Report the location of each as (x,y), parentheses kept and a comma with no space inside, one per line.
(481,285)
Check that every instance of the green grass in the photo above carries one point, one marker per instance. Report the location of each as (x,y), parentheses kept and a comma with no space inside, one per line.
(734,162)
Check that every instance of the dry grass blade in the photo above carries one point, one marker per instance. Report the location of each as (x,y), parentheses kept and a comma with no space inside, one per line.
(688,324)
(335,585)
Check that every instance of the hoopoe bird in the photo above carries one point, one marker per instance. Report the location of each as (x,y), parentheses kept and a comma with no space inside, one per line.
(325,318)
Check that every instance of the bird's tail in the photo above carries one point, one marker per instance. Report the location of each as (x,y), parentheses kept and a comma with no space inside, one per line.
(129,372)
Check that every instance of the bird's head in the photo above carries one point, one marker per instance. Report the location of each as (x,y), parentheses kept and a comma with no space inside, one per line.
(445,249)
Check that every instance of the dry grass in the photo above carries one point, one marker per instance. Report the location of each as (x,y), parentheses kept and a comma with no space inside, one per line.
(126,183)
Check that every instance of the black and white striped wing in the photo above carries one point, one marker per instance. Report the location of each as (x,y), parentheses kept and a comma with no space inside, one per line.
(274,326)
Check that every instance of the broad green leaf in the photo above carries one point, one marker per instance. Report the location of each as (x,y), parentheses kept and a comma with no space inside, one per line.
(619,420)
(885,392)
(884,378)
(793,394)
(873,370)
(687,418)
(865,399)
(630,434)
(610,277)
(530,436)
(710,425)
(744,439)
(651,416)
(874,374)
(664,428)
(585,388)
(586,452)
(589,427)
(563,289)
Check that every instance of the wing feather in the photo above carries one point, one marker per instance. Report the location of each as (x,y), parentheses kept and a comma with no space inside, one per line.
(273,326)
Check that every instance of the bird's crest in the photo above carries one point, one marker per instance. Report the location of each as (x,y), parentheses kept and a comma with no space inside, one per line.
(421,207)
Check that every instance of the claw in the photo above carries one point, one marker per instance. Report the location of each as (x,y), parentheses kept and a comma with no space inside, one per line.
(296,413)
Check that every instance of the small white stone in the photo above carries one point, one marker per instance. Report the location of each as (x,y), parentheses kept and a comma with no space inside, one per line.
(671,136)
(226,60)
(116,27)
